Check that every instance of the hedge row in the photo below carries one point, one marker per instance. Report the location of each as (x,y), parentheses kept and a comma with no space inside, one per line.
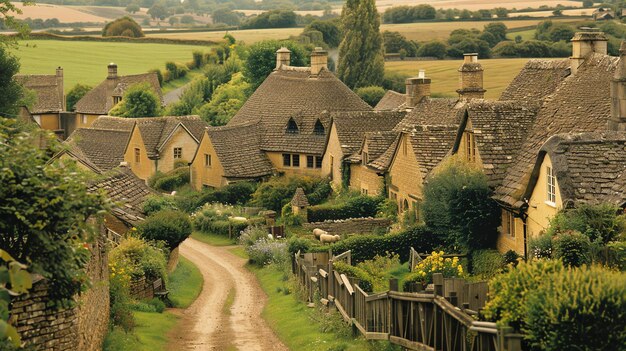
(220,227)
(170,181)
(357,207)
(365,281)
(152,40)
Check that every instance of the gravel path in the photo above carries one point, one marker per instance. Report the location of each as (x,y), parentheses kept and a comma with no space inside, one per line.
(207,324)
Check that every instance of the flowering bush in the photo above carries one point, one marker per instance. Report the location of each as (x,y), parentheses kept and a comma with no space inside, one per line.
(265,251)
(435,263)
(251,235)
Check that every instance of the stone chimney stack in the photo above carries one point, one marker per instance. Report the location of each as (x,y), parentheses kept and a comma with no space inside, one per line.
(61,91)
(112,71)
(417,88)
(283,57)
(585,43)
(618,93)
(319,61)
(471,78)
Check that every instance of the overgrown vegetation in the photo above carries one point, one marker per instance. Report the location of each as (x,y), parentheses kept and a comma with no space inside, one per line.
(169,226)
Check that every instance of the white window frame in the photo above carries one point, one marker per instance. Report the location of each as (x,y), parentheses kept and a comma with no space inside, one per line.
(550,187)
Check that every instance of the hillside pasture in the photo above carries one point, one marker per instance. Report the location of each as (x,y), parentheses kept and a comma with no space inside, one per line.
(64,14)
(86,62)
(445,77)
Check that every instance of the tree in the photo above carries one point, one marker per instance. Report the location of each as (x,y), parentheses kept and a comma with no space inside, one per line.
(132,8)
(10,90)
(187,19)
(124,26)
(330,29)
(361,60)
(497,29)
(139,101)
(433,48)
(225,101)
(261,59)
(396,42)
(501,12)
(557,13)
(173,21)
(158,11)
(172,227)
(75,94)
(225,15)
(372,95)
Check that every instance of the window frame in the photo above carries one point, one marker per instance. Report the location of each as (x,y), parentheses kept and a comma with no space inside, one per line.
(318,161)
(470,146)
(137,155)
(295,160)
(550,186)
(178,153)
(286,160)
(310,161)
(208,162)
(508,224)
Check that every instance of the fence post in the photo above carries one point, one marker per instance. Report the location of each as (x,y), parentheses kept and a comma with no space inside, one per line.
(393,284)
(454,300)
(438,283)
(331,277)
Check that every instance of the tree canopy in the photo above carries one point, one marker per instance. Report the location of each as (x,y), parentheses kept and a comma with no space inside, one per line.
(10,90)
(261,59)
(138,101)
(124,26)
(76,93)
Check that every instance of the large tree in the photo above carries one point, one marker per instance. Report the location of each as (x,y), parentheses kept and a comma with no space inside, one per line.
(361,60)
(138,101)
(261,59)
(10,91)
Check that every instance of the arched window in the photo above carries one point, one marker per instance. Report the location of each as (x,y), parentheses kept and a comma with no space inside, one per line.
(405,205)
(319,128)
(292,127)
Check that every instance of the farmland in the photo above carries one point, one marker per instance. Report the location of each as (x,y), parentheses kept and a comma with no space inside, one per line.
(445,78)
(85,62)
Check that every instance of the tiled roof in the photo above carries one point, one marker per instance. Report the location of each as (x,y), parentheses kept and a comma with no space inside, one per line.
(352,126)
(380,149)
(580,104)
(239,151)
(102,147)
(431,144)
(538,79)
(98,100)
(589,167)
(499,129)
(127,191)
(49,99)
(392,100)
(436,111)
(114,123)
(293,93)
(299,198)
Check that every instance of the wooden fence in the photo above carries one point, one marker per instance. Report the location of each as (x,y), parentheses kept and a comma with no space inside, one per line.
(439,319)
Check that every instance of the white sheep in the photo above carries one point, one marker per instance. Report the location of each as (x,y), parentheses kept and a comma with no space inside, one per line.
(327,238)
(318,232)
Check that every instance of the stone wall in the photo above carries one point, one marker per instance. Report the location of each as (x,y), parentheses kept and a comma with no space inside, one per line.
(350,226)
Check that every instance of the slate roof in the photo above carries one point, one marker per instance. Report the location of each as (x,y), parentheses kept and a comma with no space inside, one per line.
(299,198)
(444,111)
(392,100)
(46,87)
(102,147)
(380,147)
(538,79)
(352,126)
(97,101)
(114,123)
(499,129)
(580,104)
(589,167)
(127,191)
(292,92)
(431,144)
(239,151)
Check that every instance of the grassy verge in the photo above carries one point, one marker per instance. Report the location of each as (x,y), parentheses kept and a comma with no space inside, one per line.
(240,251)
(177,83)
(152,329)
(213,239)
(185,284)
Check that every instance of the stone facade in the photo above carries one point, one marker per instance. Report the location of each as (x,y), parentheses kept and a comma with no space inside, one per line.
(351,226)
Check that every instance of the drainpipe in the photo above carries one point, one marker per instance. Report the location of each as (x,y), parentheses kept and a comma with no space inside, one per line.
(523,214)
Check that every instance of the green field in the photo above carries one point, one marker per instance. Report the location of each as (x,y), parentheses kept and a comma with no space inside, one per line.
(86,62)
(445,77)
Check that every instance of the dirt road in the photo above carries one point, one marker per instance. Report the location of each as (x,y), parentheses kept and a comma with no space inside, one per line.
(210,325)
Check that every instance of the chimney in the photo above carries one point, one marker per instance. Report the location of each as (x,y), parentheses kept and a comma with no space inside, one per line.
(61,92)
(471,78)
(417,88)
(617,121)
(283,57)
(585,43)
(319,60)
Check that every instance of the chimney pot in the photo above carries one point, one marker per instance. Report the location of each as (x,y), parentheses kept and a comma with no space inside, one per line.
(112,68)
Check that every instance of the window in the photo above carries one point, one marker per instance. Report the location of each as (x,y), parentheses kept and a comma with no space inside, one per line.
(207,160)
(287,160)
(551,185)
(470,146)
(318,161)
(319,128)
(295,160)
(137,155)
(84,117)
(292,127)
(178,152)
(310,161)
(364,191)
(405,205)
(116,100)
(365,158)
(332,167)
(508,223)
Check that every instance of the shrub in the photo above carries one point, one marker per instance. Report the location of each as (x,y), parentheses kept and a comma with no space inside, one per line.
(120,313)
(356,207)
(172,69)
(616,252)
(378,269)
(172,227)
(541,246)
(278,191)
(215,219)
(124,26)
(157,203)
(435,263)
(296,244)
(170,181)
(487,263)
(198,59)
(265,251)
(511,257)
(573,248)
(75,94)
(364,280)
(251,235)
(137,258)
(601,223)
(372,94)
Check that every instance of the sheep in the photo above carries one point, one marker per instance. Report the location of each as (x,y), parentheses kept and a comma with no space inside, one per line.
(318,232)
(327,238)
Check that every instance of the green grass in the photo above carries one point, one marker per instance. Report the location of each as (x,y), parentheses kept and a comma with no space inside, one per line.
(86,62)
(213,239)
(240,251)
(152,329)
(185,284)
(177,83)
(525,34)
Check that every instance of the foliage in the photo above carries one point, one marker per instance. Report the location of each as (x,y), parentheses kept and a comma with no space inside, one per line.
(434,48)
(13,274)
(355,207)
(266,251)
(601,223)
(296,244)
(261,59)
(124,26)
(458,206)
(487,263)
(511,257)
(364,279)
(573,248)
(251,235)
(541,246)
(330,29)
(238,193)
(139,100)
(435,263)
(158,11)
(372,94)
(271,19)
(10,90)
(361,59)
(396,42)
(408,14)
(278,191)
(156,203)
(225,15)
(135,258)
(378,269)
(75,94)
(170,226)
(155,305)
(171,180)
(45,224)
(216,219)
(226,101)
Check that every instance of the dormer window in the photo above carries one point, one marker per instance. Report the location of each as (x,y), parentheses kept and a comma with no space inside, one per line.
(319,128)
(292,127)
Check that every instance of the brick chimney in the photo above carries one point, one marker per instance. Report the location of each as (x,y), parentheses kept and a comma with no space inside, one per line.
(471,78)
(112,71)
(60,90)
(319,60)
(417,88)
(585,43)
(618,93)
(112,80)
(283,57)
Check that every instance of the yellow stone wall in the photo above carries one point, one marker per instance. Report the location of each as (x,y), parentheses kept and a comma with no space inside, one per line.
(143,169)
(365,179)
(203,175)
(405,175)
(49,121)
(180,138)
(463,147)
(84,120)
(506,242)
(276,158)
(335,156)
(540,211)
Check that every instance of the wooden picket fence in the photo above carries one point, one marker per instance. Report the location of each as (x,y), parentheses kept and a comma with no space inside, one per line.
(440,319)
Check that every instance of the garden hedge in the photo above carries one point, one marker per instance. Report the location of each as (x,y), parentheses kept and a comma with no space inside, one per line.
(365,281)
(357,207)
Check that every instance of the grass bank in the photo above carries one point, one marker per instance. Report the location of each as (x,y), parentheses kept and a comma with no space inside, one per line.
(185,284)
(213,239)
